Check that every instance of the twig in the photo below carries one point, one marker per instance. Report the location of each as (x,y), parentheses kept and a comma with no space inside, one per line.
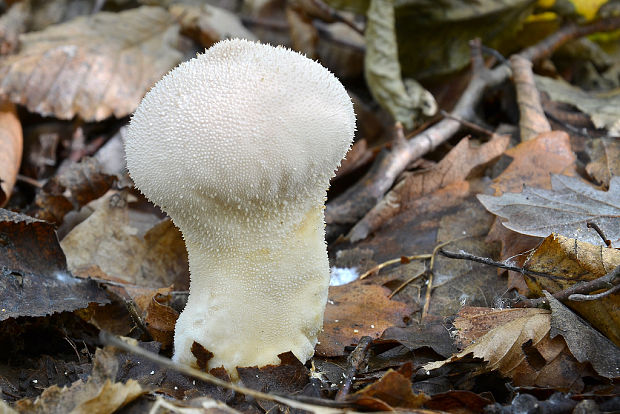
(578,297)
(337,16)
(490,262)
(593,225)
(429,284)
(532,119)
(468,124)
(314,404)
(405,283)
(610,281)
(401,260)
(29,181)
(345,210)
(355,362)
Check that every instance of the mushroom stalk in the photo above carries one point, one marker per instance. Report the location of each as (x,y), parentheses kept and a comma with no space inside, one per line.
(238,146)
(277,304)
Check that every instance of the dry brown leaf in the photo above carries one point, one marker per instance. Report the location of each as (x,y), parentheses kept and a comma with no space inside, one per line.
(35,280)
(208,24)
(98,395)
(151,253)
(393,390)
(94,66)
(532,164)
(357,310)
(534,161)
(454,167)
(160,320)
(11,146)
(584,342)
(522,350)
(570,261)
(73,187)
(605,154)
(474,322)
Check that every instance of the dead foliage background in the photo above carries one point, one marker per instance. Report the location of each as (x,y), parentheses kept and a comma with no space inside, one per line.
(473,229)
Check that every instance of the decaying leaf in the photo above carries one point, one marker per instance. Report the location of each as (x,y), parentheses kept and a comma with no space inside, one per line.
(34,277)
(357,310)
(11,145)
(150,252)
(605,154)
(382,69)
(454,167)
(534,161)
(522,350)
(97,395)
(565,210)
(94,66)
(584,342)
(208,24)
(569,261)
(603,108)
(393,390)
(433,335)
(73,187)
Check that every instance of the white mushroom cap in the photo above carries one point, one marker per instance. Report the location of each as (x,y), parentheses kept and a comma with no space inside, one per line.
(238,145)
(241,122)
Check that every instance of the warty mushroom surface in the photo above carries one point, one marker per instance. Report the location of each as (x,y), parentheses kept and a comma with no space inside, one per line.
(238,146)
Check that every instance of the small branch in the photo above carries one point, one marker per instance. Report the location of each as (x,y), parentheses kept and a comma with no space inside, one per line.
(577,292)
(593,225)
(532,119)
(401,260)
(468,124)
(300,402)
(490,262)
(356,361)
(577,297)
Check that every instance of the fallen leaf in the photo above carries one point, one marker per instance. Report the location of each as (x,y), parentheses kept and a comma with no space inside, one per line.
(522,350)
(94,66)
(149,253)
(208,24)
(434,335)
(534,161)
(458,401)
(160,320)
(72,188)
(11,145)
(605,155)
(393,390)
(603,108)
(473,323)
(357,310)
(456,166)
(565,210)
(569,261)
(35,280)
(97,395)
(382,68)
(289,377)
(584,342)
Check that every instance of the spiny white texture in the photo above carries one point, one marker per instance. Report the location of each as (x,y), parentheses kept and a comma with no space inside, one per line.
(238,146)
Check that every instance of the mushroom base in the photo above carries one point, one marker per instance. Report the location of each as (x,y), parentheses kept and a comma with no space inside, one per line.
(263,299)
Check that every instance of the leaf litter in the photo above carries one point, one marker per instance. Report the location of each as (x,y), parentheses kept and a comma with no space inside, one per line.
(121,267)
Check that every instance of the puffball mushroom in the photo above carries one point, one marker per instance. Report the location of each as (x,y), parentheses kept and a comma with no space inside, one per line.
(238,146)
